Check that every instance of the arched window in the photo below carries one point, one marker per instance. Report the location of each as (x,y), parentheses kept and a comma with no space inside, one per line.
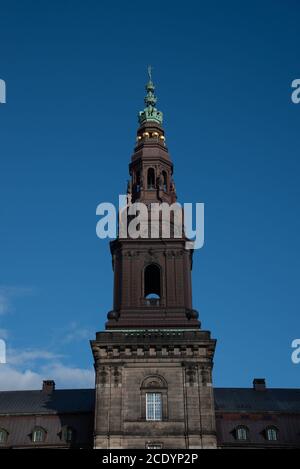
(165,181)
(152,282)
(138,181)
(154,398)
(272,434)
(3,436)
(151,179)
(242,433)
(38,435)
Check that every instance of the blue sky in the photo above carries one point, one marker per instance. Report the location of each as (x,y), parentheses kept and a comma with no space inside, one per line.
(75,74)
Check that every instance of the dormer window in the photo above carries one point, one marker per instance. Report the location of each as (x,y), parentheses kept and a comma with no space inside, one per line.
(38,435)
(3,436)
(68,434)
(272,433)
(242,433)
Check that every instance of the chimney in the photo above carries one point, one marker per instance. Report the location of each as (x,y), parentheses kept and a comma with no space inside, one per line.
(259,384)
(48,386)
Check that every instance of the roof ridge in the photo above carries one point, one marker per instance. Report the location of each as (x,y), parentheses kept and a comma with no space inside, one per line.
(40,390)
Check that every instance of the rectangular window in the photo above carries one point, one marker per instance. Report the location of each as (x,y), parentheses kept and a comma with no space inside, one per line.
(153,446)
(153,406)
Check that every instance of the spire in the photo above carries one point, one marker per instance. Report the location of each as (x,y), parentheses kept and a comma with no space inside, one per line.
(150,113)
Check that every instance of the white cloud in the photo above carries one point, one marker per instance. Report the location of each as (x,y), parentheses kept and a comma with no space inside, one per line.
(26,369)
(17,357)
(8,293)
(75,336)
(70,333)
(12,379)
(68,376)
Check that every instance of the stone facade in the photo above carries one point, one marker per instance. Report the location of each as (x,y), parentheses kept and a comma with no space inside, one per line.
(176,364)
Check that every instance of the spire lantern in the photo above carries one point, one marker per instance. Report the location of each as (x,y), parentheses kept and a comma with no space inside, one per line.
(150,113)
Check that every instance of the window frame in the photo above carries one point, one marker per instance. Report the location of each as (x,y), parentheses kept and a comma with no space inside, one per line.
(35,432)
(4,432)
(165,180)
(66,431)
(156,406)
(273,431)
(244,432)
(153,445)
(154,384)
(150,178)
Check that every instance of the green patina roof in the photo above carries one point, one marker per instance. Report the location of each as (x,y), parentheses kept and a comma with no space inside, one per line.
(150,113)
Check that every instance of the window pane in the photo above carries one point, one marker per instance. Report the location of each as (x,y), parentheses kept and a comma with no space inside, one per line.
(38,436)
(153,406)
(272,434)
(242,434)
(157,407)
(3,436)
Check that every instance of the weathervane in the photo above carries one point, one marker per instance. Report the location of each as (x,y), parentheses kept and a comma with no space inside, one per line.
(150,72)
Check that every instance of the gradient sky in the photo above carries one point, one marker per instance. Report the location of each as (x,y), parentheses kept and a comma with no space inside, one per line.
(75,74)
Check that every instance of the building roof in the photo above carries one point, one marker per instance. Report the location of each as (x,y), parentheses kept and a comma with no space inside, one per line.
(65,401)
(61,401)
(251,400)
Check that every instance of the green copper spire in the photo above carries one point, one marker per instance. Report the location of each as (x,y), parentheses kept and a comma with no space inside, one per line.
(150,113)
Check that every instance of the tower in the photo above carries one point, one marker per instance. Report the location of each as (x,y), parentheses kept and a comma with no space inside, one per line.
(153,362)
